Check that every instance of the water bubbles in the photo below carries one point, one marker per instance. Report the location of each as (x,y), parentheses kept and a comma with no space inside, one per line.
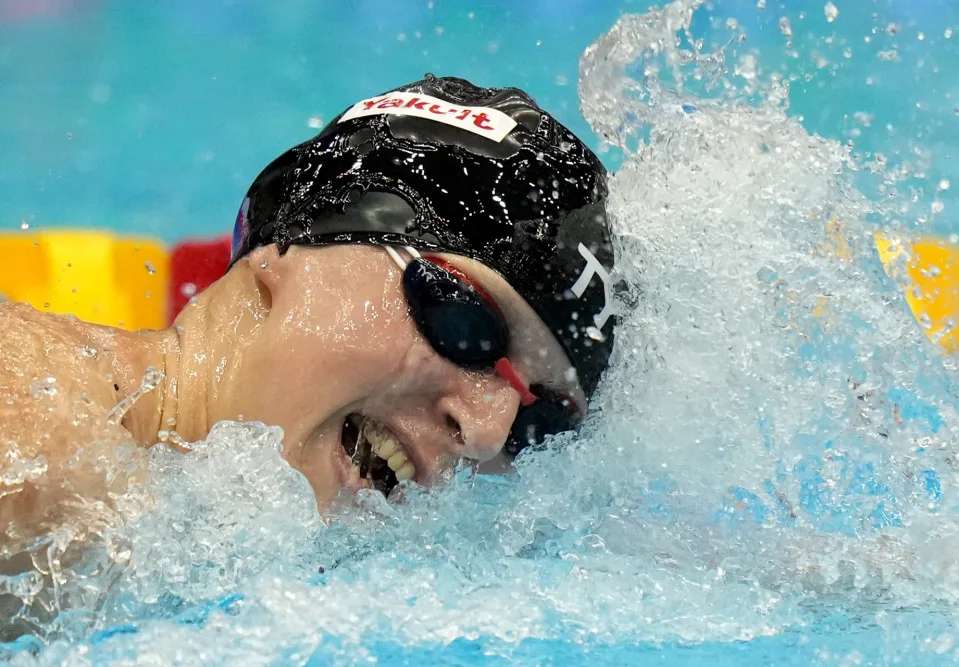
(24,586)
(948,33)
(831,12)
(316,122)
(561,80)
(150,268)
(189,289)
(24,225)
(943,184)
(937,207)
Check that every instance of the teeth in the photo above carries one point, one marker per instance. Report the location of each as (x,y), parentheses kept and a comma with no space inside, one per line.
(387,447)
(406,472)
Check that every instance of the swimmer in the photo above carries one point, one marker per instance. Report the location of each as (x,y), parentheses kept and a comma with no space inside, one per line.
(425,280)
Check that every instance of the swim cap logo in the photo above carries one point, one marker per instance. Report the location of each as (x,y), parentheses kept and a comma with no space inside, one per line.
(594,268)
(483,121)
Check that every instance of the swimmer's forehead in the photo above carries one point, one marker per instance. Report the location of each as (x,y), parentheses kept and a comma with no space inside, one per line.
(538,350)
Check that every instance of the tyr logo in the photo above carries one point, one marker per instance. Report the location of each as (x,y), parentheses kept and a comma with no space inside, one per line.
(594,268)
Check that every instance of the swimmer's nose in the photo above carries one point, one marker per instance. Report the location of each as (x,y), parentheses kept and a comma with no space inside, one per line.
(479,416)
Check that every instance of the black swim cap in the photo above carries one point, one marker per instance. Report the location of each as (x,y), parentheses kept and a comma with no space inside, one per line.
(442,165)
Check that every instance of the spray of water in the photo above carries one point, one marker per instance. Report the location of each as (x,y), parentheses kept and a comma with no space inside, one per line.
(773,444)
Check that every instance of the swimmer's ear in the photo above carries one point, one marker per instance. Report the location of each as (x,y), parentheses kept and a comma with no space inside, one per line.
(269,267)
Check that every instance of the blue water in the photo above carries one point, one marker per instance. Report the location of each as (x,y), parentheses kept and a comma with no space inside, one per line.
(154,117)
(749,510)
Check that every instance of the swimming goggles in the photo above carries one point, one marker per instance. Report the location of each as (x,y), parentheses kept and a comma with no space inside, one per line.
(465,326)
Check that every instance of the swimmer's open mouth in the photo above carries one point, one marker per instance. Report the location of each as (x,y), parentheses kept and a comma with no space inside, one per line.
(376,453)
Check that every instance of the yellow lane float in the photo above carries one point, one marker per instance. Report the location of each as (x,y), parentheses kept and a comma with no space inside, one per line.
(130,282)
(928,268)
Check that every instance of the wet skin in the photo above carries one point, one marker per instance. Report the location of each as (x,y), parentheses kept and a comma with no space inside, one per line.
(299,341)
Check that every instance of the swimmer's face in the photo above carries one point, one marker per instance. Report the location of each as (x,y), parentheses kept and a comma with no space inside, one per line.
(338,363)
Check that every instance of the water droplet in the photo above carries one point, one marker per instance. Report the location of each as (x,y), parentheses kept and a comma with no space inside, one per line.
(44,387)
(937,207)
(595,334)
(315,122)
(187,289)
(24,224)
(948,33)
(761,4)
(438,30)
(944,184)
(150,268)
(471,16)
(492,47)
(831,12)
(921,36)
(561,80)
(785,28)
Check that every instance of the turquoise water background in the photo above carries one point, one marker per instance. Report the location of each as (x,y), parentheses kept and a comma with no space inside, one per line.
(154,117)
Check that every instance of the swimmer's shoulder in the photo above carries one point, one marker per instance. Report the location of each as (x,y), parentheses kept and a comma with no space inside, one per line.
(55,398)
(37,346)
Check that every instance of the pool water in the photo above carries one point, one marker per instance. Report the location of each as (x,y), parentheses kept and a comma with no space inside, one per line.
(769,474)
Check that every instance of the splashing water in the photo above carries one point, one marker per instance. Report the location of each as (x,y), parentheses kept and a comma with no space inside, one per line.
(770,457)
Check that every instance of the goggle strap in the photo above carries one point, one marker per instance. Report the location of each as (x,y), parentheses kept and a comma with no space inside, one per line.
(506,371)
